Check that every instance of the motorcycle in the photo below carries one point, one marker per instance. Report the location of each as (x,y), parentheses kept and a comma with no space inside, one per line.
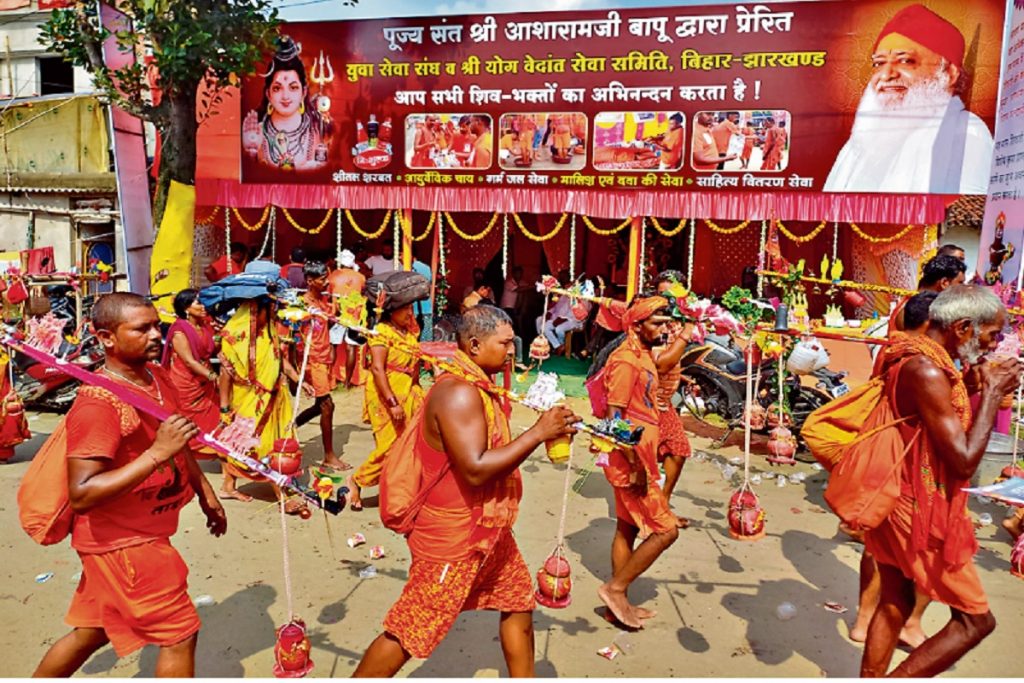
(41,387)
(45,388)
(713,389)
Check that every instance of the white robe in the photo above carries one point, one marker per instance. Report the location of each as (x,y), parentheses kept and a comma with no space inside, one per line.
(916,158)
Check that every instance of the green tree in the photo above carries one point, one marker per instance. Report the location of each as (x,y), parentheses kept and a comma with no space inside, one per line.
(208,43)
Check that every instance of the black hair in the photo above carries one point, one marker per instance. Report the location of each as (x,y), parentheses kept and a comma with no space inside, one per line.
(669,276)
(286,58)
(314,269)
(239,247)
(298,255)
(109,310)
(184,299)
(481,321)
(948,249)
(677,117)
(941,267)
(915,312)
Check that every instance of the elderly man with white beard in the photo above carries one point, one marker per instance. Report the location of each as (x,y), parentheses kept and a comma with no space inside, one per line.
(912,132)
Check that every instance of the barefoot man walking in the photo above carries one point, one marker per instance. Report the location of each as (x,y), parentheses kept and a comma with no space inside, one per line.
(129,476)
(631,381)
(464,556)
(928,539)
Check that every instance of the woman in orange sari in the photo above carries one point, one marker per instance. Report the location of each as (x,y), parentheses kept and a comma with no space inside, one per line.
(187,353)
(393,392)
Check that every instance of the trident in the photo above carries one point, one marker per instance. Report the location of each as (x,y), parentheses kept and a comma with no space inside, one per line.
(321,72)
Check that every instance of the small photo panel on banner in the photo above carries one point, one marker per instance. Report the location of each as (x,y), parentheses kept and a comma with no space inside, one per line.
(449,141)
(749,141)
(639,140)
(544,142)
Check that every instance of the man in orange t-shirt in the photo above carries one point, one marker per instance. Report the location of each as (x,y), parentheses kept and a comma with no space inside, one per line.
(318,381)
(722,133)
(631,382)
(462,142)
(672,144)
(464,556)
(705,156)
(480,157)
(129,476)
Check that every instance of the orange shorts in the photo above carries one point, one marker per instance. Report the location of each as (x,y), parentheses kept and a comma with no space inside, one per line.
(437,592)
(649,513)
(138,595)
(321,376)
(671,435)
(958,587)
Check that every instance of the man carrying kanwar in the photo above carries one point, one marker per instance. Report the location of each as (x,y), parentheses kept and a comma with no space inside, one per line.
(319,380)
(631,384)
(129,476)
(464,556)
(928,539)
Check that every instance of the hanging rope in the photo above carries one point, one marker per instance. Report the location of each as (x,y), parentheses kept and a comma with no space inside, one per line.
(689,256)
(504,246)
(227,240)
(560,543)
(266,237)
(337,231)
(835,243)
(572,248)
(643,255)
(761,259)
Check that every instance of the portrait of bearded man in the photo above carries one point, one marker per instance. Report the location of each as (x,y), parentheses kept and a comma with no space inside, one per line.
(912,132)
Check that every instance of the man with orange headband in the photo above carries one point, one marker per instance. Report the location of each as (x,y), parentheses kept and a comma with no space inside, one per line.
(631,382)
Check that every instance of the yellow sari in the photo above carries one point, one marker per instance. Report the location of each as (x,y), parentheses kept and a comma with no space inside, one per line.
(402,370)
(259,390)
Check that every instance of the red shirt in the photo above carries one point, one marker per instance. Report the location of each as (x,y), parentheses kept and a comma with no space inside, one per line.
(102,427)
(220,268)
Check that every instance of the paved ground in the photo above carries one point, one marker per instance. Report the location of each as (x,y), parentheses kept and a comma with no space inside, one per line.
(716,597)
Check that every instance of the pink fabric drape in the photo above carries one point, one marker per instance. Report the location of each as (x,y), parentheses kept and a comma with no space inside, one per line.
(804,206)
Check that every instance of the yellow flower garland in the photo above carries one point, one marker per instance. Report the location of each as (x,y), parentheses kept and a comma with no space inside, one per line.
(881,240)
(206,219)
(801,239)
(407,228)
(472,238)
(605,233)
(309,231)
(363,233)
(252,227)
(669,233)
(726,231)
(540,238)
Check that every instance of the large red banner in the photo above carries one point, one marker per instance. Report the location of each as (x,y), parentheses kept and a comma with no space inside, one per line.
(843,96)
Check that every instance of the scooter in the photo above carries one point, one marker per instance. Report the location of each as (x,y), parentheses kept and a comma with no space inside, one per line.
(714,388)
(44,388)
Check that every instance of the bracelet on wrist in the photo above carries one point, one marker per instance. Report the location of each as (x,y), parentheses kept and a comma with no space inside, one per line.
(392,402)
(225,410)
(156,463)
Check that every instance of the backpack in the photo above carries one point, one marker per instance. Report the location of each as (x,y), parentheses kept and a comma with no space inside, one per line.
(403,490)
(858,439)
(594,384)
(401,287)
(227,292)
(44,508)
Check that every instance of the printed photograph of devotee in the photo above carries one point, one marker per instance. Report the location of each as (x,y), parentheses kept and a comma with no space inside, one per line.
(748,141)
(639,141)
(542,142)
(912,131)
(291,131)
(449,141)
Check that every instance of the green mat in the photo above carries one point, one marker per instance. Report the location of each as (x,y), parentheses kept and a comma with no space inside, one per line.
(572,373)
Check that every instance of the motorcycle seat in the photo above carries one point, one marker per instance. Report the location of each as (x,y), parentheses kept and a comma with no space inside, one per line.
(736,367)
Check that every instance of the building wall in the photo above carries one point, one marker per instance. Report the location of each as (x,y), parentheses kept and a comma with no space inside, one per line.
(20,229)
(19,49)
